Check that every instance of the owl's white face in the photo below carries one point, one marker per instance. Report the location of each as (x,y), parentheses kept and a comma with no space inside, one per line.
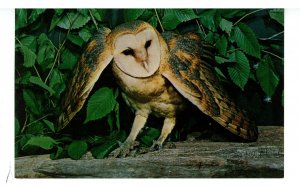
(138,55)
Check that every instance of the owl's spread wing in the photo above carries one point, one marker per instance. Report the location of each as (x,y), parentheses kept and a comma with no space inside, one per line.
(97,55)
(196,80)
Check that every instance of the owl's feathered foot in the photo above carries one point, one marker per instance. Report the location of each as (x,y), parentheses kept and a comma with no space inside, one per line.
(125,149)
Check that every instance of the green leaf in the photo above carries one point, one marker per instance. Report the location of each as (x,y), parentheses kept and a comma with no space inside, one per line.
(112,143)
(226,26)
(17,127)
(208,21)
(21,18)
(55,78)
(239,73)
(148,135)
(85,34)
(173,17)
(220,73)
(73,21)
(132,14)
(37,81)
(29,41)
(266,76)
(31,101)
(44,142)
(58,154)
(221,60)
(246,40)
(77,149)
(29,56)
(75,39)
(153,21)
(35,14)
(36,127)
(277,15)
(49,124)
(99,14)
(221,45)
(69,60)
(101,103)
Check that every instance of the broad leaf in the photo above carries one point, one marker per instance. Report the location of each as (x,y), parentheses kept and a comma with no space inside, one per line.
(39,82)
(277,14)
(77,149)
(21,18)
(221,45)
(246,40)
(99,14)
(208,21)
(44,142)
(30,42)
(49,124)
(266,76)
(35,14)
(73,21)
(75,39)
(132,14)
(239,73)
(226,26)
(17,127)
(112,143)
(31,101)
(85,34)
(29,56)
(173,17)
(69,60)
(221,60)
(101,103)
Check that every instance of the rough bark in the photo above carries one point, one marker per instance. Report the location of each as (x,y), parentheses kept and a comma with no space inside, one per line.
(190,159)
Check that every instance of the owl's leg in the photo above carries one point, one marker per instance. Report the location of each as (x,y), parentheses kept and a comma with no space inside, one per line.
(129,144)
(169,124)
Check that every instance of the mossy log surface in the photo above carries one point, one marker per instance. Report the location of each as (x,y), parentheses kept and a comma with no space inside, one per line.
(190,159)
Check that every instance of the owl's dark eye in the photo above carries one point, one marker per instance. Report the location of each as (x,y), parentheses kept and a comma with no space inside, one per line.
(128,51)
(147,44)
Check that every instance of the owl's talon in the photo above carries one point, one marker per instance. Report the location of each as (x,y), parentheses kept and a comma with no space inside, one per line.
(156,146)
(124,149)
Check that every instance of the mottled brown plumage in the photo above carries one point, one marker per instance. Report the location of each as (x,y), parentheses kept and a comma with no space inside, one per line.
(158,74)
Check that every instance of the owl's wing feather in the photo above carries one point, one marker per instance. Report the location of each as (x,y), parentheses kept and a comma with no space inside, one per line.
(196,80)
(96,57)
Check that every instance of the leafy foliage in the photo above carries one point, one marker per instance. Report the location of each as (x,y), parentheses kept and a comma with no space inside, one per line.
(49,43)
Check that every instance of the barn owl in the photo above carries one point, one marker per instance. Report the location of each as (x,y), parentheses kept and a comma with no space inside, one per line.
(158,74)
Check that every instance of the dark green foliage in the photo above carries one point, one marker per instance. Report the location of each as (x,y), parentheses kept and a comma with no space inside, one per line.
(49,43)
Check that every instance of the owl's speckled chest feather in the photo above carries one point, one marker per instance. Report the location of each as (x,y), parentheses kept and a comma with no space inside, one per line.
(151,95)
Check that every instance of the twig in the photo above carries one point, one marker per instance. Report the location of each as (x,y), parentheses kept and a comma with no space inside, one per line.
(162,28)
(58,51)
(273,36)
(25,123)
(281,58)
(37,72)
(200,27)
(94,21)
(38,119)
(246,16)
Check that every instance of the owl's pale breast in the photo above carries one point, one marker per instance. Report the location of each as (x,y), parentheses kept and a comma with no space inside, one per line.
(149,95)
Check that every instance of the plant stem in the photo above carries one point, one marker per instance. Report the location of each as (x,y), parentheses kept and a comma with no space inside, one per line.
(38,119)
(25,123)
(281,58)
(57,55)
(271,37)
(200,27)
(162,28)
(94,21)
(247,15)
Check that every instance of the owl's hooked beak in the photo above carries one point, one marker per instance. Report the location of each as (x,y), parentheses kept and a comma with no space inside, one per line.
(145,65)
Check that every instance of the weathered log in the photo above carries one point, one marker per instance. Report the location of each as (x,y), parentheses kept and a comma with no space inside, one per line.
(190,159)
